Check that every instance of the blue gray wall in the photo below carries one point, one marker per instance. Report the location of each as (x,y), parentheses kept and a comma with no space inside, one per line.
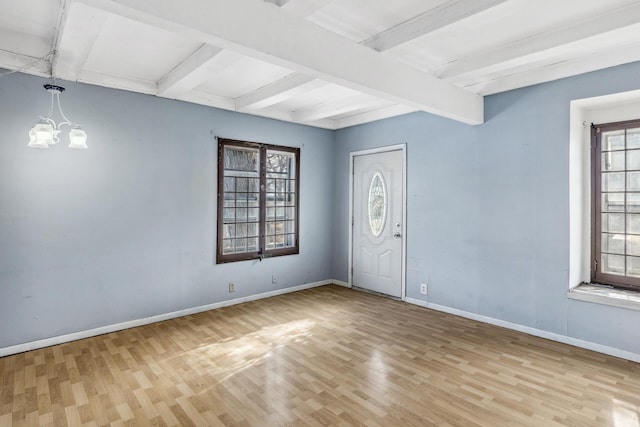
(126,229)
(488,208)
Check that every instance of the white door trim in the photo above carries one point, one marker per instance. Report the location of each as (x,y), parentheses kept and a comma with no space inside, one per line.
(352,155)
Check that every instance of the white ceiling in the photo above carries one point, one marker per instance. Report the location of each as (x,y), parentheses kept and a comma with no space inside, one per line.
(325,63)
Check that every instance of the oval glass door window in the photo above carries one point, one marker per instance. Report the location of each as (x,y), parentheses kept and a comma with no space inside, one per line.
(377,204)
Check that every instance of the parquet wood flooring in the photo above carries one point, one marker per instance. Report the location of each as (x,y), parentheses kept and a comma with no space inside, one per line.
(324,356)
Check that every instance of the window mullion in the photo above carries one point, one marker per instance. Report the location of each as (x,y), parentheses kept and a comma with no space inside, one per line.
(262,212)
(624,206)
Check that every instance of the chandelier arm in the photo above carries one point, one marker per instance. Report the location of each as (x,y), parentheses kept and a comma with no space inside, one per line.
(48,118)
(67,121)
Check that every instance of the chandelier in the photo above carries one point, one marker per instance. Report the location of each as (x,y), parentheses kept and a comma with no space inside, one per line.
(45,133)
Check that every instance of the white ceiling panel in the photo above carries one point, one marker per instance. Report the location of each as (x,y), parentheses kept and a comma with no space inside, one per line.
(27,27)
(325,63)
(131,49)
(239,75)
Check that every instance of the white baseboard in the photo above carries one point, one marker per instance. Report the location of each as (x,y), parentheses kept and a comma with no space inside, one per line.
(635,357)
(341,283)
(33,345)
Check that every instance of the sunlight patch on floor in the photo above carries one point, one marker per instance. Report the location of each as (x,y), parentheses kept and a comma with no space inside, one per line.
(227,358)
(625,414)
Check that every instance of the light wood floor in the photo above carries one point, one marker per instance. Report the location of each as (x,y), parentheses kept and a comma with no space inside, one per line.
(325,356)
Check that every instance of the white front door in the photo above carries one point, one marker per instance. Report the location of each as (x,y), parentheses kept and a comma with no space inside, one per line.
(377,222)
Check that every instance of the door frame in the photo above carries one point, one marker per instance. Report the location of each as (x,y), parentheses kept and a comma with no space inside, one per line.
(403,245)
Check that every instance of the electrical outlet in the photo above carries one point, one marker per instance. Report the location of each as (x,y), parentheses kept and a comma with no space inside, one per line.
(423,288)
(274,280)
(232,287)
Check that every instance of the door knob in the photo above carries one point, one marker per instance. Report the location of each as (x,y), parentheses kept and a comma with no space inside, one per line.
(397,235)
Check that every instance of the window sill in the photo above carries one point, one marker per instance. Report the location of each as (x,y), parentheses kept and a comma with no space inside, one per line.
(606,295)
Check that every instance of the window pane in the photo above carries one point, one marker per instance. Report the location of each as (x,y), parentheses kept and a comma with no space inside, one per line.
(377,204)
(633,266)
(612,202)
(229,230)
(613,140)
(613,161)
(270,228)
(633,138)
(241,214)
(252,229)
(229,215)
(240,188)
(633,202)
(241,159)
(229,183)
(633,224)
(612,223)
(270,242)
(613,243)
(290,227)
(613,181)
(271,214)
(271,185)
(280,164)
(633,159)
(612,264)
(252,244)
(633,181)
(290,213)
(633,245)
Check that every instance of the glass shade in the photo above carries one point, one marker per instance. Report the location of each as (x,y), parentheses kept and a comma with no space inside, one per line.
(78,139)
(41,136)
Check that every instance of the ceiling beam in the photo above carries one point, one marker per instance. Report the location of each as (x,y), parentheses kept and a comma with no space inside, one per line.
(278,91)
(24,64)
(302,8)
(293,84)
(189,73)
(61,21)
(590,27)
(117,82)
(379,114)
(202,98)
(263,31)
(444,15)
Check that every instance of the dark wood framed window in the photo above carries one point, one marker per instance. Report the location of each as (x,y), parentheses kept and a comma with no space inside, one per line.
(258,200)
(615,202)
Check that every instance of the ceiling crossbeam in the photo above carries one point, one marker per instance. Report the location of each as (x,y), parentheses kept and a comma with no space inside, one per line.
(262,31)
(444,15)
(334,108)
(278,91)
(189,73)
